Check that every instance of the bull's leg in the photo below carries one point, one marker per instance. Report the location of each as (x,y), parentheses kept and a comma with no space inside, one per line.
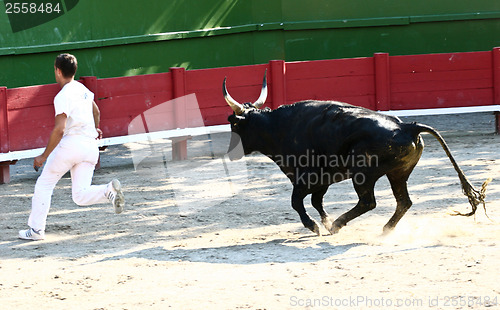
(366,203)
(399,188)
(317,202)
(298,205)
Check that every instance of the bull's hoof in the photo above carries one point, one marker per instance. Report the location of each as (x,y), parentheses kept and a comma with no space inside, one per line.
(317,231)
(327,222)
(334,230)
(387,229)
(315,228)
(335,227)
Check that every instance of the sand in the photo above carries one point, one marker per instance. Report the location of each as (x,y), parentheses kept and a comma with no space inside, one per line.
(208,233)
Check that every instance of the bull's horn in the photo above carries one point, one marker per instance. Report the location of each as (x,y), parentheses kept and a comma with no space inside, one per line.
(263,93)
(237,107)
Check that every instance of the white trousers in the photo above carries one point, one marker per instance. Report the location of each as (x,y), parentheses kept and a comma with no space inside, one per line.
(79,155)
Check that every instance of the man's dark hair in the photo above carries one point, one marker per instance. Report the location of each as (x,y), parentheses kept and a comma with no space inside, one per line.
(67,64)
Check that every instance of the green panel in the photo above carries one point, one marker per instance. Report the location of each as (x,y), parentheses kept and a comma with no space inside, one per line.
(299,10)
(146,58)
(16,71)
(159,16)
(118,38)
(96,20)
(419,38)
(268,45)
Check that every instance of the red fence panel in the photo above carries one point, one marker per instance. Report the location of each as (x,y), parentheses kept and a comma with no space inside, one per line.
(243,83)
(122,99)
(30,112)
(4,125)
(348,80)
(441,80)
(381,82)
(4,136)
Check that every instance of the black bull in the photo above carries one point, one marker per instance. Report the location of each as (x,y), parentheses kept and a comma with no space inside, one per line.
(318,143)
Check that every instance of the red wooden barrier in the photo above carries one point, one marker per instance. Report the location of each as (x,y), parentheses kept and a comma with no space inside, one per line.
(496,84)
(30,112)
(441,80)
(382,82)
(278,83)
(4,129)
(4,136)
(244,84)
(156,102)
(348,80)
(122,99)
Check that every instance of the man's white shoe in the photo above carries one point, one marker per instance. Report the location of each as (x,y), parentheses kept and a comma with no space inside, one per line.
(115,195)
(31,234)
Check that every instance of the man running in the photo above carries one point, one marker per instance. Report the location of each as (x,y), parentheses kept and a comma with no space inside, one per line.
(72,147)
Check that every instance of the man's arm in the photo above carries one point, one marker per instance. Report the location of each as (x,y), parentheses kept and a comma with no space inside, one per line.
(97,118)
(54,139)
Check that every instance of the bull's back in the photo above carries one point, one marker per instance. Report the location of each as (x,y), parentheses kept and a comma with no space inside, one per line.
(341,129)
(334,124)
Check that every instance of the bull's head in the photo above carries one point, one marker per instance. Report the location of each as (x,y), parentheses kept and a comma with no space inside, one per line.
(240,131)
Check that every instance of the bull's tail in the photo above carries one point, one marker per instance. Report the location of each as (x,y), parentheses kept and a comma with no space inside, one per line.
(475,196)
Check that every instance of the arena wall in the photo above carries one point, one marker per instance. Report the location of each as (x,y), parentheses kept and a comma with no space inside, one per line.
(381,82)
(126,38)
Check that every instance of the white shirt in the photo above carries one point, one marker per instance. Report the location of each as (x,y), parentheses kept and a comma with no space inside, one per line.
(75,100)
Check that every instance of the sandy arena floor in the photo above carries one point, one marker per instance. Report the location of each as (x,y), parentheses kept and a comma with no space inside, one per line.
(207,233)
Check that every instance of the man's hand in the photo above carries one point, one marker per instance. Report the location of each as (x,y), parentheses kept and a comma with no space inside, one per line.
(38,162)
(99,131)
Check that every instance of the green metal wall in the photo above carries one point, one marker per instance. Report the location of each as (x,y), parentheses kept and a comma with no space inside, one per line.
(124,37)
